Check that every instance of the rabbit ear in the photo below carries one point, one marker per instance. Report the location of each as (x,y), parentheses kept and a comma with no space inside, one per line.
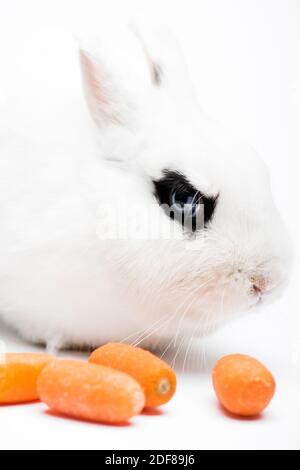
(165,58)
(96,90)
(116,78)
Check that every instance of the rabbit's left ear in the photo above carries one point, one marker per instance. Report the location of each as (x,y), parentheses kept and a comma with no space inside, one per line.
(116,78)
(166,62)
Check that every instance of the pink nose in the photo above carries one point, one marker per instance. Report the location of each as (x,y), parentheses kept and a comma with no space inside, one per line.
(260,285)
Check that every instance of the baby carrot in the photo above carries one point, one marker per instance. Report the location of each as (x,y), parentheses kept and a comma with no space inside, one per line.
(243,385)
(18,377)
(157,379)
(90,392)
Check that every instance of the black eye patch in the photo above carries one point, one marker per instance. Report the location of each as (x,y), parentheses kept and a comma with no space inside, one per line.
(174,191)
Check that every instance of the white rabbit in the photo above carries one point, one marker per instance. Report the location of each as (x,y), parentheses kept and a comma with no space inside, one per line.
(67,276)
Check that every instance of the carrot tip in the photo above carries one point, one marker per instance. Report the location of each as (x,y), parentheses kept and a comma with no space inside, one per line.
(156,378)
(164,386)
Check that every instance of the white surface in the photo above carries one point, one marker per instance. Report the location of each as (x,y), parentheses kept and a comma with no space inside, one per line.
(244,58)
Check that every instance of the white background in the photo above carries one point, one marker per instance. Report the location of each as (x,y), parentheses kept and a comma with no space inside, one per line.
(244,56)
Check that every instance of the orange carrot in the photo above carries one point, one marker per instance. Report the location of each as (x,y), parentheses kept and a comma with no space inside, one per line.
(18,377)
(157,379)
(243,385)
(90,392)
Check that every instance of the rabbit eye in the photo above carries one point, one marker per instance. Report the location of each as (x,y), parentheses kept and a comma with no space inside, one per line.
(187,203)
(186,208)
(182,202)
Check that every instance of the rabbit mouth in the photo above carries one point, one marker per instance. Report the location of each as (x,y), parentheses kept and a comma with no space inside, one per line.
(225,296)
